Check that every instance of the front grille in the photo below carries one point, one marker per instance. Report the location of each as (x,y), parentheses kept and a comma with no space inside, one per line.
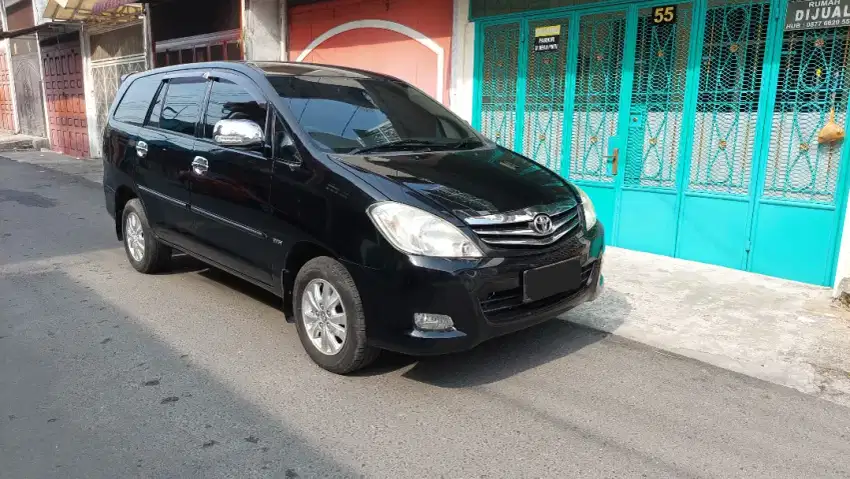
(518,229)
(505,305)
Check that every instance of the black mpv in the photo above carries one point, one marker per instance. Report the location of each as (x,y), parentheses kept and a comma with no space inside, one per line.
(382,219)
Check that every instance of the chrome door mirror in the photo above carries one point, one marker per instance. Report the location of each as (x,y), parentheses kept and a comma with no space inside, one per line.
(238,133)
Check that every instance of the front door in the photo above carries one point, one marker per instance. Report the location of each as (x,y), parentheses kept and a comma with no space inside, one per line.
(230,193)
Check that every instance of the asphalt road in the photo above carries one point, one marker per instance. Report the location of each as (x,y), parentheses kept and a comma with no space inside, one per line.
(108,373)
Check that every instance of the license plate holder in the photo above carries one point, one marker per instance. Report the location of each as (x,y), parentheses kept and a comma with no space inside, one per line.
(551,280)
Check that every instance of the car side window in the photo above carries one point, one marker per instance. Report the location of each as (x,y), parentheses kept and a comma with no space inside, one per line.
(134,105)
(229,101)
(182,107)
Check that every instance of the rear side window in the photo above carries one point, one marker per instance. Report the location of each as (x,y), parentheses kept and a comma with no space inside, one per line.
(134,105)
(182,108)
(229,101)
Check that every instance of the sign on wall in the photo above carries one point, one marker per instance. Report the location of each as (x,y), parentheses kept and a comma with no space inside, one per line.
(817,14)
(547,39)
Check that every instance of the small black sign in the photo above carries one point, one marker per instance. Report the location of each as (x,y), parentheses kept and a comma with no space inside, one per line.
(547,39)
(547,44)
(664,15)
(817,14)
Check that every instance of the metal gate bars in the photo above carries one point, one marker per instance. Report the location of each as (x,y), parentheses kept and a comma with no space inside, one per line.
(713,110)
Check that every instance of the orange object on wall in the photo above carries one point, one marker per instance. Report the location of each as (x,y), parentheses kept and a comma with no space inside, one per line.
(408,39)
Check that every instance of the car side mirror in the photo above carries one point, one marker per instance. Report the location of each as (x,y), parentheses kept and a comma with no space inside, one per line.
(238,133)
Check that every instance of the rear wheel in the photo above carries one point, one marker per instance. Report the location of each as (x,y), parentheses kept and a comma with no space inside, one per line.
(329,317)
(145,253)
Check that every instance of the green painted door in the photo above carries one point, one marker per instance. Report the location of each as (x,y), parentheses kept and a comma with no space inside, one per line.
(800,198)
(498,78)
(599,80)
(648,212)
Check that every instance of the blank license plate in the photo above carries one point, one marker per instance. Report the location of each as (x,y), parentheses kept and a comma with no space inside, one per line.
(550,280)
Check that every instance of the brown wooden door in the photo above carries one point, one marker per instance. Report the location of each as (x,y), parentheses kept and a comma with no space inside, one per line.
(66,105)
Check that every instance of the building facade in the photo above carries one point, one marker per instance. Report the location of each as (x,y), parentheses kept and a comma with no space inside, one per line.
(702,129)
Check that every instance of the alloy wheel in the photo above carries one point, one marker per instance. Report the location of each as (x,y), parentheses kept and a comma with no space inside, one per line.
(135,236)
(323,314)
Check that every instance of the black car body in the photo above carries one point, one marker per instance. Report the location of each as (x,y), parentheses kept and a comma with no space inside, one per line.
(528,247)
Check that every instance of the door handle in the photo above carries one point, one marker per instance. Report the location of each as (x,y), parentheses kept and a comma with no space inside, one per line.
(141,149)
(615,161)
(200,165)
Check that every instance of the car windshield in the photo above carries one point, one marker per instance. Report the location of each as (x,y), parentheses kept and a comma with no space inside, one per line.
(360,115)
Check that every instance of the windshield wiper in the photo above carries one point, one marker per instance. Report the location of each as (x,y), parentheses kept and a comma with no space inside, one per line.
(465,143)
(409,142)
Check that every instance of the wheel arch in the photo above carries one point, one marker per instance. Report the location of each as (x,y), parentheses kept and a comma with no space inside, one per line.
(123,194)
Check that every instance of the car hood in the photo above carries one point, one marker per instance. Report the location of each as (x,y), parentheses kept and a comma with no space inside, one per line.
(483,181)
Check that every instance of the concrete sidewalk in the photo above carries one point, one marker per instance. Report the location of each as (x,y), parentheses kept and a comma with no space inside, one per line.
(16,142)
(780,331)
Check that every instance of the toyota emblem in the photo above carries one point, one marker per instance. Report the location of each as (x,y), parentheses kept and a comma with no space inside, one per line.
(542,224)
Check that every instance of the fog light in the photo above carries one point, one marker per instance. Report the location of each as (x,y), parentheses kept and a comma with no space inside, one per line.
(433,322)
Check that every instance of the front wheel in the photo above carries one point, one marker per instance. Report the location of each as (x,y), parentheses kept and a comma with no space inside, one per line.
(329,317)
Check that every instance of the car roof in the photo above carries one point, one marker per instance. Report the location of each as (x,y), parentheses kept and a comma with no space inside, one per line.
(277,69)
(314,69)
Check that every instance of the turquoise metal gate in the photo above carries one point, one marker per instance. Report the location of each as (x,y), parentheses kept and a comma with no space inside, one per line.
(802,192)
(713,119)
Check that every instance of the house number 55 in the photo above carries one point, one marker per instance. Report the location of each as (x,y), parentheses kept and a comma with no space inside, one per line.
(662,15)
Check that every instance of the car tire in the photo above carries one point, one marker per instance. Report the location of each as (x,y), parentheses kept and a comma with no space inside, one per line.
(348,353)
(145,253)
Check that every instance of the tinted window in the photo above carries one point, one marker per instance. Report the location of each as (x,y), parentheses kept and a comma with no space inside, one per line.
(344,114)
(229,101)
(182,107)
(134,105)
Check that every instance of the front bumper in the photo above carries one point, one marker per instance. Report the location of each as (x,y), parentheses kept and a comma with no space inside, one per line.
(483,297)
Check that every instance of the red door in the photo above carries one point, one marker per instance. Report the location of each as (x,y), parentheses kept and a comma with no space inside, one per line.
(7,119)
(66,105)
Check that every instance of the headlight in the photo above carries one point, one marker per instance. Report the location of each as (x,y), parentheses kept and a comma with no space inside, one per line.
(414,231)
(589,210)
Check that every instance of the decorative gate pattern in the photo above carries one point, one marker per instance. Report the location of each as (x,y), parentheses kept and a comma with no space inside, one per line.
(813,81)
(599,75)
(499,85)
(106,77)
(658,98)
(28,91)
(728,98)
(544,98)
(7,119)
(66,107)
(735,111)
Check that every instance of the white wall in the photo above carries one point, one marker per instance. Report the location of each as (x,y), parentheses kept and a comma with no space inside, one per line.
(462,61)
(262,31)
